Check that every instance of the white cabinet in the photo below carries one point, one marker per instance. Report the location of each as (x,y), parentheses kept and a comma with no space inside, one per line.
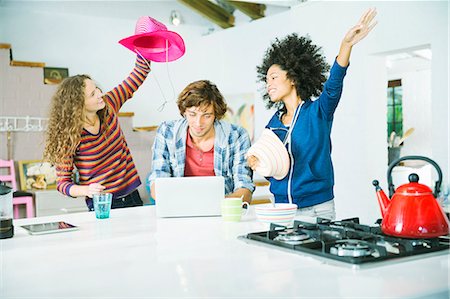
(52,202)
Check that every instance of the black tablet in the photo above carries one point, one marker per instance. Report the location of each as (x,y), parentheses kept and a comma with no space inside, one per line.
(49,228)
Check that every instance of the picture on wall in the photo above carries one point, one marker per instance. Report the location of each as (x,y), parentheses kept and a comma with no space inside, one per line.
(241,111)
(36,174)
(54,75)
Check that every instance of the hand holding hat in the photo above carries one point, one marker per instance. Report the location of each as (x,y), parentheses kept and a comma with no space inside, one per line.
(154,42)
(271,154)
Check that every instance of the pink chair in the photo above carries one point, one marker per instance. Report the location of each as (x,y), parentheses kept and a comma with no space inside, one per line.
(19,197)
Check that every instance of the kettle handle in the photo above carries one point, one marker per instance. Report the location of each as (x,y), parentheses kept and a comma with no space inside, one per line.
(394,163)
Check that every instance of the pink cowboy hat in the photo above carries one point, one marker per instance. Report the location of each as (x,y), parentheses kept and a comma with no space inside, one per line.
(152,40)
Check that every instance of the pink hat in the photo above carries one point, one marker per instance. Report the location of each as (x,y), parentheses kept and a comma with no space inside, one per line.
(152,40)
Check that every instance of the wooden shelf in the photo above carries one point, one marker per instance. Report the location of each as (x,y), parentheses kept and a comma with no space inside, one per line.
(145,129)
(27,63)
(261,183)
(5,46)
(126,114)
(258,201)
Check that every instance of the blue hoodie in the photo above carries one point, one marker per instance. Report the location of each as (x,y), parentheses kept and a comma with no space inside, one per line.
(310,179)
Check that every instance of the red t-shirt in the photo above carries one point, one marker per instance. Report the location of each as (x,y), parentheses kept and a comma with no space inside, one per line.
(198,162)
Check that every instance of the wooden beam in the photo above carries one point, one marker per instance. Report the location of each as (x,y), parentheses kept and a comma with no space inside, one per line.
(253,10)
(211,11)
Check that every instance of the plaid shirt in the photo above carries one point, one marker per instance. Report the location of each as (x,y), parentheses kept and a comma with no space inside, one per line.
(230,146)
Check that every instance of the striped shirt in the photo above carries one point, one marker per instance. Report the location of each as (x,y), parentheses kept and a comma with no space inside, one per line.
(105,158)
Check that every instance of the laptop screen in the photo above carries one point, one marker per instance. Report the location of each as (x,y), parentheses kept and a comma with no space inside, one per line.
(189,196)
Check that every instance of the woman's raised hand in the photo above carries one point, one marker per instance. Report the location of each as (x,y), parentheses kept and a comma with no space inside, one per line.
(360,30)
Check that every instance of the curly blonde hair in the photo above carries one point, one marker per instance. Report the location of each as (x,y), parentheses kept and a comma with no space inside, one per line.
(66,120)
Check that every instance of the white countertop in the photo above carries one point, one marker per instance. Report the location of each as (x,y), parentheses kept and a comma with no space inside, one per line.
(136,255)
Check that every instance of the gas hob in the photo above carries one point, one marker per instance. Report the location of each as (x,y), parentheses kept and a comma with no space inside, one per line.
(346,241)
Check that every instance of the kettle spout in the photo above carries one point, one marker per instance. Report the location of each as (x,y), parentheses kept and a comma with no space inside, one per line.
(383,200)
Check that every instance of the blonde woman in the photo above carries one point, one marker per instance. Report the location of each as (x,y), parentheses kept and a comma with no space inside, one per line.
(84,133)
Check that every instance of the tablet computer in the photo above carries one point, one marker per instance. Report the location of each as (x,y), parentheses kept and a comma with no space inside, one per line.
(49,227)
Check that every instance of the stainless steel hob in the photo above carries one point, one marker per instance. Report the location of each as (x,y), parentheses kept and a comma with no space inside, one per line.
(346,241)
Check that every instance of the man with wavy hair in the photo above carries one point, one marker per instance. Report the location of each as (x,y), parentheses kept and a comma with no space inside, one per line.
(202,144)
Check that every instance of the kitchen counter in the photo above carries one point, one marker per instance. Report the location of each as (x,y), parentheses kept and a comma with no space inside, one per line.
(134,254)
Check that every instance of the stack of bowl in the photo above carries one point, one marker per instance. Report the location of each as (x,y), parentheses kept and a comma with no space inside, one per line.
(279,213)
(272,155)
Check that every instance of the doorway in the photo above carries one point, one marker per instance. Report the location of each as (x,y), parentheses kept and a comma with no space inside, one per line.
(409,100)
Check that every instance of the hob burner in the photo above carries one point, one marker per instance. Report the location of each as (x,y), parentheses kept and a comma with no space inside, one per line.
(353,248)
(292,237)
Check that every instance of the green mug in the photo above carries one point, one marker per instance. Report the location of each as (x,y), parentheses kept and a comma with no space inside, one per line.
(232,209)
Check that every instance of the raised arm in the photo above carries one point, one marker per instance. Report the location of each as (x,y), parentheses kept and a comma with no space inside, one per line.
(355,34)
(125,90)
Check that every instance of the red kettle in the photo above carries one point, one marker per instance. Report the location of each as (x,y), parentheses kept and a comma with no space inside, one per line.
(412,211)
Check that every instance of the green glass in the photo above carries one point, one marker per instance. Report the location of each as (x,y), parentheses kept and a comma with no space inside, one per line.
(102,205)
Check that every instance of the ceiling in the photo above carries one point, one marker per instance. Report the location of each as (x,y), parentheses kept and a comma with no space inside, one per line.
(224,13)
(287,3)
(212,14)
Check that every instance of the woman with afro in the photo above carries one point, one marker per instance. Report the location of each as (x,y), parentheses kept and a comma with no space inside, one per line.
(293,71)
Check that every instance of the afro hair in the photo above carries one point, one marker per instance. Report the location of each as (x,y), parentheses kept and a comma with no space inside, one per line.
(304,63)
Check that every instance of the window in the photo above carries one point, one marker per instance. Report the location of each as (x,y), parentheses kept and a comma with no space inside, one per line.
(394,108)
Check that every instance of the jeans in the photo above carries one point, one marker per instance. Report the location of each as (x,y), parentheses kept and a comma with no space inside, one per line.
(133,199)
(322,210)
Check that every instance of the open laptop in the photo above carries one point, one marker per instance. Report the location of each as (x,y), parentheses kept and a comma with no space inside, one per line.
(189,196)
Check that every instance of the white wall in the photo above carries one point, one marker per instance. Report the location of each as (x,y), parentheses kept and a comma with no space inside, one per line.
(417,112)
(229,58)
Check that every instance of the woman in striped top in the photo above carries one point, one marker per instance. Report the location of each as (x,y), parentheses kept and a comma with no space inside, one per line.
(84,133)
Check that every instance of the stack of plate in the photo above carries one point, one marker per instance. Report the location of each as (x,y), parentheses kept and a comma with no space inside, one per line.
(272,155)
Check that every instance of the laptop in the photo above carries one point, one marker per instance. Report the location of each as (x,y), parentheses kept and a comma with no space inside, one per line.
(193,196)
